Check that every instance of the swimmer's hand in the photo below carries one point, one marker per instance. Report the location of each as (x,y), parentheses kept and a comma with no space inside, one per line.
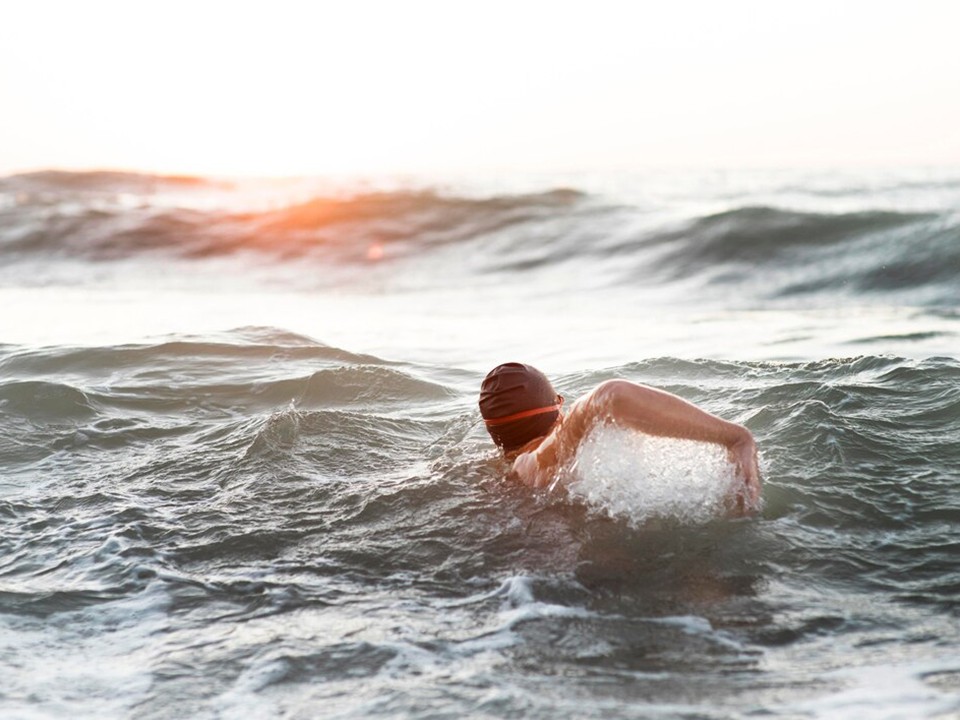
(743,454)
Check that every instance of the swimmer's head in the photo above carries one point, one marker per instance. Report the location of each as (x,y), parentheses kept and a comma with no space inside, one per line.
(518,404)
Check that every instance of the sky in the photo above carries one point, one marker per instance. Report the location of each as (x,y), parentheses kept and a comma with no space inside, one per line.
(419,86)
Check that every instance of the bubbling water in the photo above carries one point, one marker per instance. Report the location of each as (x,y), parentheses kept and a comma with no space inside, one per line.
(638,477)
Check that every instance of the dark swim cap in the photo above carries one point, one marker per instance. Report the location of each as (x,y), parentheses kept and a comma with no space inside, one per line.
(518,404)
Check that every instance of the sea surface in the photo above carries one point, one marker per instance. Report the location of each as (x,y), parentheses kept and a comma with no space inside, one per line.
(243,475)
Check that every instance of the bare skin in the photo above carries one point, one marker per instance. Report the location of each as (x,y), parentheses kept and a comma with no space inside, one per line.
(648,410)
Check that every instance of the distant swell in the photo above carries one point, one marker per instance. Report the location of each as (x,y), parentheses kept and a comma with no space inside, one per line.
(764,235)
(322,229)
(743,256)
(785,254)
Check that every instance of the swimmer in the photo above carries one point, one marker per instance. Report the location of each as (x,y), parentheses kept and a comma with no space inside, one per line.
(522,413)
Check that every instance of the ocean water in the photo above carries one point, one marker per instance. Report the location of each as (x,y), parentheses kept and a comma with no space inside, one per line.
(242,473)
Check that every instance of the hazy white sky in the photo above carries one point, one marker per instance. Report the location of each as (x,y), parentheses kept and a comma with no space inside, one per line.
(358,86)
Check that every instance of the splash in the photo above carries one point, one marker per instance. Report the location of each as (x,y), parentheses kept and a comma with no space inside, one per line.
(640,477)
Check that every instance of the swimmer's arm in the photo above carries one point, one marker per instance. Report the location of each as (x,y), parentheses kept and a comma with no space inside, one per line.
(657,412)
(648,410)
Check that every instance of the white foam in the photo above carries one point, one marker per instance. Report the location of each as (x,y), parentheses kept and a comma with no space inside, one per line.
(636,476)
(89,663)
(520,605)
(695,625)
(245,698)
(887,692)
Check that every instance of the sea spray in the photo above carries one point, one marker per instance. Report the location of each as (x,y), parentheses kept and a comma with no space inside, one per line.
(638,477)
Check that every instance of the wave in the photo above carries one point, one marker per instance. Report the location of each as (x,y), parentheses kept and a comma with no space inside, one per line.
(39,399)
(251,392)
(763,235)
(774,254)
(236,348)
(746,255)
(316,227)
(179,375)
